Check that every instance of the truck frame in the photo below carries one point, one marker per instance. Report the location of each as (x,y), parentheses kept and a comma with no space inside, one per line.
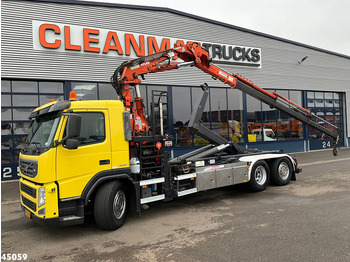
(103,157)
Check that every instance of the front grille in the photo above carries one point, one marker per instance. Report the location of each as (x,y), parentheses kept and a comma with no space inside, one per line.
(28,190)
(29,203)
(28,167)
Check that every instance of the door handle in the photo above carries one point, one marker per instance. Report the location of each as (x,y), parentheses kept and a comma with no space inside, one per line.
(105,162)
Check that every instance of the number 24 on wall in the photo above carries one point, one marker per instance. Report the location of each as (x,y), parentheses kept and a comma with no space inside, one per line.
(326,144)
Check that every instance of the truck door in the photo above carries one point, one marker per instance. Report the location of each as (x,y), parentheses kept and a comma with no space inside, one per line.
(75,167)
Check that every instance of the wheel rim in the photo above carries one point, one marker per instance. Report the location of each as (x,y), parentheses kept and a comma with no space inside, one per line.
(119,204)
(260,175)
(283,170)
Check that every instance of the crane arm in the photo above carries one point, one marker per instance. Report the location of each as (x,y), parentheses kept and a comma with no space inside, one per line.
(192,54)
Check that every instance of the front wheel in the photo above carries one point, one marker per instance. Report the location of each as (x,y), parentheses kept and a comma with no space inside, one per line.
(110,207)
(259,176)
(281,172)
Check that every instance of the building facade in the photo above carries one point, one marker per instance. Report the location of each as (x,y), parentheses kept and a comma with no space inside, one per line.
(50,48)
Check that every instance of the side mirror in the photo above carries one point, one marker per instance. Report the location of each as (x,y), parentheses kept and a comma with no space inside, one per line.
(73,126)
(72,143)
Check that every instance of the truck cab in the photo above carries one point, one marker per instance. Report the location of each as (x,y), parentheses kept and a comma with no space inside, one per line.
(70,144)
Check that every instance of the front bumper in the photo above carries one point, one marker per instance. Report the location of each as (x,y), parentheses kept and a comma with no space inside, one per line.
(55,221)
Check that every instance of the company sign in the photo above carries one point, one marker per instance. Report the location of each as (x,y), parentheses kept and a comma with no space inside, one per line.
(81,39)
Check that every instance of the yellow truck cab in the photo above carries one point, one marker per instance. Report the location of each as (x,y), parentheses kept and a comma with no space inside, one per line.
(73,146)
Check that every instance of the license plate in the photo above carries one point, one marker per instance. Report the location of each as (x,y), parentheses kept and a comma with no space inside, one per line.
(27,214)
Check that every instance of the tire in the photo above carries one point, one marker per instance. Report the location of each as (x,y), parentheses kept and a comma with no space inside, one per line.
(281,171)
(259,177)
(110,207)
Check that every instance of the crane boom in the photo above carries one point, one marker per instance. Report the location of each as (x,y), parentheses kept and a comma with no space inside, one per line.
(192,54)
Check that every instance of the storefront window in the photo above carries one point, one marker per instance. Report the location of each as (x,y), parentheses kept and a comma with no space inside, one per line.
(51,87)
(218,112)
(5,86)
(85,91)
(107,92)
(25,100)
(327,107)
(16,108)
(44,99)
(24,87)
(181,116)
(5,100)
(235,115)
(254,123)
(6,114)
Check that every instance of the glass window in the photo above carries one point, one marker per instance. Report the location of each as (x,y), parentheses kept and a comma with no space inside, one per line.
(328,95)
(310,103)
(196,92)
(310,95)
(319,103)
(6,114)
(20,114)
(107,92)
(6,157)
(16,156)
(42,130)
(92,128)
(24,87)
(6,142)
(319,95)
(297,126)
(254,123)
(5,86)
(44,99)
(329,103)
(21,128)
(218,104)
(5,100)
(19,141)
(51,87)
(181,116)
(6,128)
(268,116)
(85,91)
(235,115)
(149,95)
(25,100)
(295,96)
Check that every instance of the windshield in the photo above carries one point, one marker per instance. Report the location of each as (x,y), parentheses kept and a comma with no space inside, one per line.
(43,129)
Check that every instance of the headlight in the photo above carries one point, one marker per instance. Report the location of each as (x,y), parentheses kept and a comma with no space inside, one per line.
(41,196)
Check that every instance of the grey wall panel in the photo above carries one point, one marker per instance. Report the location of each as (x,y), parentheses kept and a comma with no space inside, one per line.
(321,71)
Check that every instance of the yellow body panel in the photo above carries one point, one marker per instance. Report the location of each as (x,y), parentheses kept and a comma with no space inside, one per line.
(75,167)
(51,199)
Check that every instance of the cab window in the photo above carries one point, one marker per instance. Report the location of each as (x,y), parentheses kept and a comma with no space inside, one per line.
(92,128)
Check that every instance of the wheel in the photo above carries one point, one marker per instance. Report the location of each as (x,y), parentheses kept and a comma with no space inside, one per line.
(259,177)
(110,207)
(281,171)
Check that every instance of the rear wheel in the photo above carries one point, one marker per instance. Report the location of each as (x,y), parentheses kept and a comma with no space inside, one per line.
(110,207)
(281,171)
(259,177)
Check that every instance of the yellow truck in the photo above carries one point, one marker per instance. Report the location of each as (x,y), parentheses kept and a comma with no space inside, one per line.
(102,157)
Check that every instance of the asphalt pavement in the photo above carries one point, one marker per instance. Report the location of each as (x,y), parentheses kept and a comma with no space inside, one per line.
(307,220)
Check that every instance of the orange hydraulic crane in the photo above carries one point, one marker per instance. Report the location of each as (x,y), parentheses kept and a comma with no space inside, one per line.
(128,75)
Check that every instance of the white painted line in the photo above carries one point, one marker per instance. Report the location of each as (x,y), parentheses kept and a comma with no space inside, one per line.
(324,162)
